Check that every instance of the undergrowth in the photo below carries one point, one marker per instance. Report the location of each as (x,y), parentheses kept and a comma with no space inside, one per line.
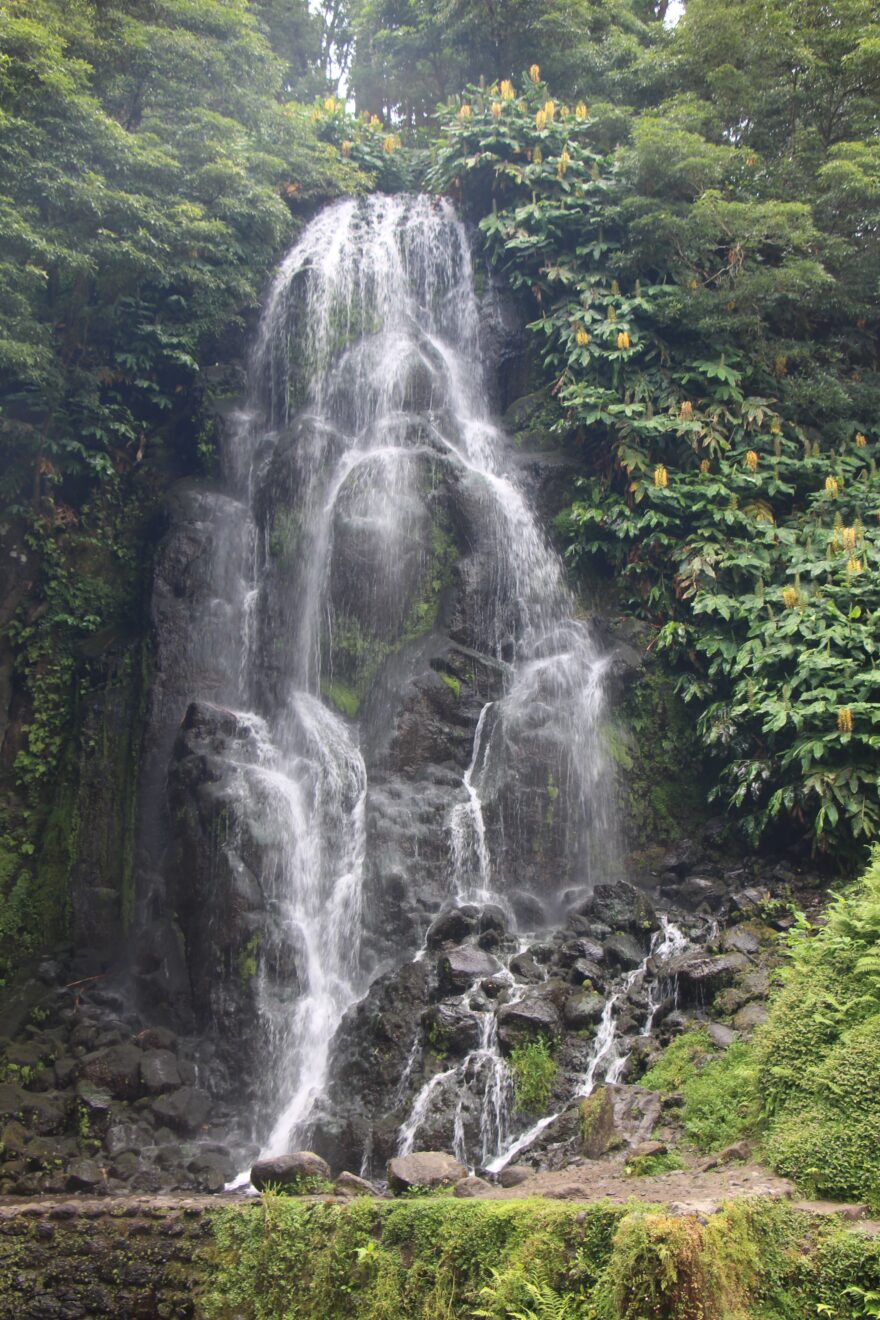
(530,1260)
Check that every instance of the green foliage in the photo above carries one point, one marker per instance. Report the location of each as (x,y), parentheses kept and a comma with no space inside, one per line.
(710,351)
(719,1089)
(648,1166)
(421,1259)
(818,1055)
(534,1070)
(152,169)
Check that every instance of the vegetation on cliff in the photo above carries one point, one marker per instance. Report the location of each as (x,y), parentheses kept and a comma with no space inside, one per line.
(153,169)
(702,288)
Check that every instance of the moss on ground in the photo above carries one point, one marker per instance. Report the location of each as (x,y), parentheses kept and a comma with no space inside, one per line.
(422,1259)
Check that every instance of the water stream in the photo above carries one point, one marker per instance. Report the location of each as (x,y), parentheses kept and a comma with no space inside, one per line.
(372,485)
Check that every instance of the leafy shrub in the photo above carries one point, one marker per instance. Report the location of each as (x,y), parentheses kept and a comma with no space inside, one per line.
(534,1072)
(818,1055)
(719,1089)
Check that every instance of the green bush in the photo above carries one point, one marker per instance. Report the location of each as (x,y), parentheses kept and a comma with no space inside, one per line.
(534,1072)
(527,1260)
(818,1055)
(719,1090)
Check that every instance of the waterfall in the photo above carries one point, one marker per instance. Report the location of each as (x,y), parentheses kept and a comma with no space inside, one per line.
(379,513)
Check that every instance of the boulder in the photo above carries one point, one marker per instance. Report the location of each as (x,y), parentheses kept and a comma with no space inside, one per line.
(122,1137)
(620,906)
(582,1009)
(699,976)
(740,939)
(451,927)
(514,1174)
(211,1172)
(528,1018)
(349,1184)
(299,1169)
(424,1168)
(160,1072)
(116,1070)
(471,1186)
(84,1176)
(623,951)
(646,1150)
(749,1017)
(184,1110)
(598,1131)
(459,968)
(720,1035)
(450,1029)
(525,968)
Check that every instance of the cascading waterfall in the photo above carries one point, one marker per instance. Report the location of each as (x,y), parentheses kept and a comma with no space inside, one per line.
(367,398)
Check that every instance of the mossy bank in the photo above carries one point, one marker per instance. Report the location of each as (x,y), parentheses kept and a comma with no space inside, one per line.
(425,1258)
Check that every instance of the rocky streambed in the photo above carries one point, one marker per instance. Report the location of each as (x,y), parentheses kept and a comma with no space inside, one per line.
(97,1097)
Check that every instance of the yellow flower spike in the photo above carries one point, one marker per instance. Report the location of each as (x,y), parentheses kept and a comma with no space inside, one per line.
(790,597)
(540,119)
(705,466)
(661,477)
(375,121)
(861,440)
(330,104)
(538,156)
(507,92)
(832,487)
(751,160)
(845,720)
(615,288)
(390,144)
(346,148)
(850,537)
(580,110)
(582,337)
(316,116)
(623,340)
(564,112)
(496,109)
(564,162)
(612,314)
(550,111)
(686,411)
(853,566)
(692,284)
(775,427)
(752,461)
(465,112)
(535,73)
(780,365)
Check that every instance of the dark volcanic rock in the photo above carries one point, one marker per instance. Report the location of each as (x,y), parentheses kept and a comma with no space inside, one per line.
(459,968)
(583,1009)
(84,1176)
(184,1110)
(160,1072)
(451,1029)
(700,976)
(117,1070)
(451,927)
(302,1166)
(530,1017)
